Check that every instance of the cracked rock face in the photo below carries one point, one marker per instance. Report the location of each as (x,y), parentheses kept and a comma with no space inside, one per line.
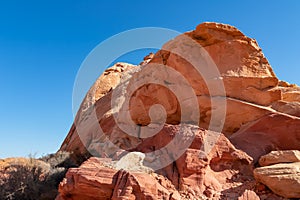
(141,108)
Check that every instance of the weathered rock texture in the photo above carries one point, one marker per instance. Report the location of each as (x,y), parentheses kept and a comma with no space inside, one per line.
(105,83)
(275,157)
(96,180)
(280,171)
(192,176)
(282,179)
(271,132)
(217,79)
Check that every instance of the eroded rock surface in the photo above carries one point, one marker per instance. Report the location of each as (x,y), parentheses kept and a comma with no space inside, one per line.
(269,133)
(217,80)
(96,179)
(275,157)
(283,179)
(191,176)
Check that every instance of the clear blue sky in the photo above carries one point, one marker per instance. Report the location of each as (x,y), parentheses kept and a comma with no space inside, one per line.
(43,43)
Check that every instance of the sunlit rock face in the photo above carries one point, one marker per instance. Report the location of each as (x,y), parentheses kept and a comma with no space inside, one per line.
(197,116)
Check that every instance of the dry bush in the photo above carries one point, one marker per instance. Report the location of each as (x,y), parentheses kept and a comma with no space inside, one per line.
(33,179)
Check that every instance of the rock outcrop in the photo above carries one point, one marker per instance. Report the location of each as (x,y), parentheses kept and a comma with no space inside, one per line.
(172,108)
(97,179)
(271,132)
(276,157)
(215,176)
(105,83)
(282,175)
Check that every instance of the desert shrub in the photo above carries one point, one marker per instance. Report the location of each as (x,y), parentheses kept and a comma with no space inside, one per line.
(59,159)
(33,179)
(23,180)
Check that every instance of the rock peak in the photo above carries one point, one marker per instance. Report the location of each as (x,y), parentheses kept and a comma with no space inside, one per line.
(261,115)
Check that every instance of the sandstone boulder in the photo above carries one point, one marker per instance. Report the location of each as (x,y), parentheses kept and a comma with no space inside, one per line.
(290,92)
(275,157)
(282,179)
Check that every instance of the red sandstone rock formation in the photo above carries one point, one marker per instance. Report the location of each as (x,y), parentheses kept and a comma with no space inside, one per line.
(192,176)
(254,110)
